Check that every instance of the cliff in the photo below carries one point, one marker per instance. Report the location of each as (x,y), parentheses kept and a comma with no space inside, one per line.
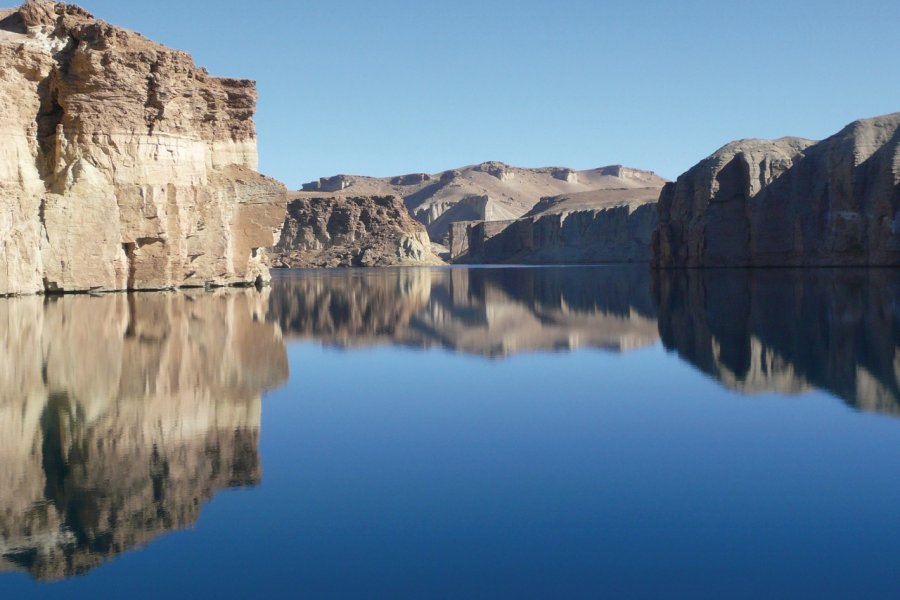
(123,165)
(120,415)
(788,202)
(358,231)
(490,191)
(584,228)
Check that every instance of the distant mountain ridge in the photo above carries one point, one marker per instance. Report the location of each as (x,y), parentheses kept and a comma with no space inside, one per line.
(490,191)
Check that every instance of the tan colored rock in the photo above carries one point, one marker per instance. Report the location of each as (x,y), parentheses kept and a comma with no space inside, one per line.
(120,415)
(123,164)
(352,231)
(788,202)
(490,191)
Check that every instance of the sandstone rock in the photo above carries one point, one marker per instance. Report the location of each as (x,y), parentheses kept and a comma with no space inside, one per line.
(123,164)
(121,415)
(493,191)
(604,226)
(789,202)
(329,184)
(338,231)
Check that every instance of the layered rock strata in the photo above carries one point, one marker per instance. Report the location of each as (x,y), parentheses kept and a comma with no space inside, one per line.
(788,202)
(357,231)
(123,165)
(120,415)
(490,191)
(614,234)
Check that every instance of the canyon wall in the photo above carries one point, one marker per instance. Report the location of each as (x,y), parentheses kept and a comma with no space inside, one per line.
(351,231)
(123,165)
(788,202)
(617,234)
(120,415)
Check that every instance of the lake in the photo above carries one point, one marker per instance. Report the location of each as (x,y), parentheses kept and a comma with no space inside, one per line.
(463,433)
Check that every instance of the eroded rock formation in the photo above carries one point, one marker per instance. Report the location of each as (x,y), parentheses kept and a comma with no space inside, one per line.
(490,191)
(120,415)
(352,231)
(788,202)
(123,165)
(619,233)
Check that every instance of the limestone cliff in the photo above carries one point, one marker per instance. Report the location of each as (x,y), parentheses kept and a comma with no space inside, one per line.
(788,202)
(490,191)
(120,415)
(355,231)
(619,233)
(123,165)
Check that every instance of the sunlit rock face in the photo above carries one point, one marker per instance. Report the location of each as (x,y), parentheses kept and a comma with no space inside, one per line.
(788,331)
(487,312)
(121,414)
(788,202)
(123,165)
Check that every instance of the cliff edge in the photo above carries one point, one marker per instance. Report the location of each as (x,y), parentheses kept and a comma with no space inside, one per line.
(123,165)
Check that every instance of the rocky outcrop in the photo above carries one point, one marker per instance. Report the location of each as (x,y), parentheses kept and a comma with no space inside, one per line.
(339,231)
(123,165)
(788,202)
(788,330)
(121,415)
(490,191)
(618,233)
(486,312)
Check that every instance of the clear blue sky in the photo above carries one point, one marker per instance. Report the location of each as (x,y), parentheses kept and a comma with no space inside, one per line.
(389,87)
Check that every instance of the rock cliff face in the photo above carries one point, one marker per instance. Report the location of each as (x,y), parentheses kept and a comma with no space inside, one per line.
(562,230)
(123,165)
(788,202)
(357,231)
(490,191)
(120,415)
(788,330)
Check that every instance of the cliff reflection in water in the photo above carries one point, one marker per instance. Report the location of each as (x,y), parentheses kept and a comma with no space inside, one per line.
(489,312)
(783,331)
(121,414)
(787,330)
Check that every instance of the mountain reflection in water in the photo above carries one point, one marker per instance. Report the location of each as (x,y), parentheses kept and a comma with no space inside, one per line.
(121,414)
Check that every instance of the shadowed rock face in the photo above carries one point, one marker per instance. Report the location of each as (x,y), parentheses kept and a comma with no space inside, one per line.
(788,202)
(488,312)
(123,165)
(617,234)
(121,415)
(788,331)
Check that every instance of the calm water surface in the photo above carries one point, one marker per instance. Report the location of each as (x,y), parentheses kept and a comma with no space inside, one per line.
(519,432)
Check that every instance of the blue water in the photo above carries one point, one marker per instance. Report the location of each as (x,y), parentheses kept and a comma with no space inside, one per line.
(407,460)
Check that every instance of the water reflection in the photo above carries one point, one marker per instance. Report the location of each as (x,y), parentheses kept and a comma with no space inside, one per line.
(120,415)
(488,312)
(788,330)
